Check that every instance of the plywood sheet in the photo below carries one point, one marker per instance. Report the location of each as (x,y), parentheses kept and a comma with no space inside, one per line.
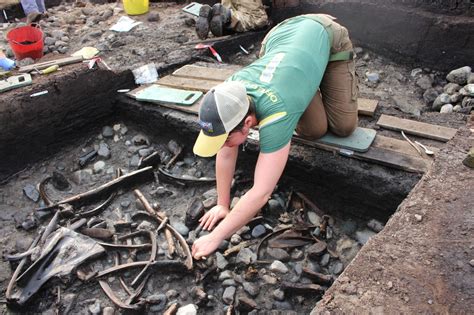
(417,128)
(187,83)
(367,106)
(205,73)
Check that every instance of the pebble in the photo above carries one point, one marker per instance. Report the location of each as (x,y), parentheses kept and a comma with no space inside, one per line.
(372,77)
(189,309)
(228,296)
(125,204)
(442,99)
(108,311)
(104,151)
(390,285)
(278,254)
(338,267)
(107,132)
(251,289)
(446,109)
(98,167)
(457,108)
(181,228)
(171,294)
(313,218)
(296,254)
(424,82)
(226,274)
(258,231)
(269,279)
(229,283)
(140,140)
(210,202)
(364,236)
(274,206)
(123,131)
(451,88)
(145,152)
(221,262)
(210,193)
(235,239)
(153,17)
(278,266)
(418,217)
(135,160)
(375,225)
(347,248)
(95,308)
(158,301)
(316,250)
(278,294)
(468,90)
(325,260)
(430,95)
(454,98)
(471,262)
(31,192)
(416,72)
(298,268)
(246,256)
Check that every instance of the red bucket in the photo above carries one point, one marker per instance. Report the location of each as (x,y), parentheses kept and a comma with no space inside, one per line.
(26,42)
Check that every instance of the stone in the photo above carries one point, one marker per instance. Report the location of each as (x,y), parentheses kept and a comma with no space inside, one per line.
(430,95)
(415,72)
(418,217)
(158,300)
(325,260)
(451,88)
(221,262)
(375,225)
(81,177)
(459,75)
(366,57)
(228,296)
(171,294)
(210,193)
(125,204)
(313,218)
(107,132)
(189,309)
(469,159)
(296,255)
(258,231)
(372,77)
(424,82)
(226,274)
(278,266)
(316,250)
(407,105)
(180,227)
(467,90)
(456,97)
(347,249)
(95,308)
(246,256)
(446,109)
(229,283)
(349,226)
(107,14)
(31,192)
(337,268)
(457,108)
(104,151)
(153,17)
(235,239)
(135,160)
(251,289)
(140,139)
(210,202)
(99,167)
(48,41)
(363,236)
(279,294)
(440,101)
(471,262)
(274,206)
(145,152)
(269,279)
(57,33)
(467,101)
(278,254)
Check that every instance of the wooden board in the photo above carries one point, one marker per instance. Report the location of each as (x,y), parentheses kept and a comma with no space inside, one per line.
(367,106)
(379,154)
(191,77)
(397,145)
(46,64)
(205,73)
(417,128)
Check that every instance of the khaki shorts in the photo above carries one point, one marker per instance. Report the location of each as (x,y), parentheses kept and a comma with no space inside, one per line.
(337,94)
(246,15)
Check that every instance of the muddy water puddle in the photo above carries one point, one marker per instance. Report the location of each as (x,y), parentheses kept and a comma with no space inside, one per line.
(119,242)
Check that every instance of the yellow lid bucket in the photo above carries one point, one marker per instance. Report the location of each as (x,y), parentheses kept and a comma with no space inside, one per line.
(135,7)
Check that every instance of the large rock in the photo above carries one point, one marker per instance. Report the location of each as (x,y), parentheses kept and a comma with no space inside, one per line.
(459,75)
(406,105)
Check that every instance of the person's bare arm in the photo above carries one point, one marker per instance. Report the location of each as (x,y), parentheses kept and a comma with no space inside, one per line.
(267,173)
(225,168)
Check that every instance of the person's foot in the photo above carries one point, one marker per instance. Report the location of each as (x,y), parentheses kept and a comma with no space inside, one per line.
(202,24)
(33,17)
(220,18)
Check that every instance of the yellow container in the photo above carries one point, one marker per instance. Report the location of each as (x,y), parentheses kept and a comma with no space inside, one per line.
(135,7)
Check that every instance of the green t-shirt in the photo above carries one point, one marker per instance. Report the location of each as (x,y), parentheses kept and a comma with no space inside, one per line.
(285,79)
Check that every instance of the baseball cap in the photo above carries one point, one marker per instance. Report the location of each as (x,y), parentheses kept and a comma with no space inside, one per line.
(222,109)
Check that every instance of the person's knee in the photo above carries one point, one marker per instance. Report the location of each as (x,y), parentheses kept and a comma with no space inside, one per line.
(344,130)
(313,133)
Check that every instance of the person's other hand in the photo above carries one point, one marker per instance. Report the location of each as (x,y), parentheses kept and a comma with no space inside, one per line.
(210,218)
(205,245)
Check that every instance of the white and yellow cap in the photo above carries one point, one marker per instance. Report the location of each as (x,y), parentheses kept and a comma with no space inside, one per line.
(222,109)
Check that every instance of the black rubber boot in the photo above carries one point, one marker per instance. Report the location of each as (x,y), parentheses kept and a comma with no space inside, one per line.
(220,19)
(202,24)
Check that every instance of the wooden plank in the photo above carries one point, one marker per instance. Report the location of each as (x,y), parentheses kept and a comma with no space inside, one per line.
(205,73)
(417,128)
(187,83)
(382,156)
(46,64)
(367,106)
(397,145)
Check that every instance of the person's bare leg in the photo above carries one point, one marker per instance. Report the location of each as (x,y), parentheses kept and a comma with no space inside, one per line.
(313,123)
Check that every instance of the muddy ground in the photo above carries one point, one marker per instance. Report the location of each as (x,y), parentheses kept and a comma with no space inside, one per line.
(169,42)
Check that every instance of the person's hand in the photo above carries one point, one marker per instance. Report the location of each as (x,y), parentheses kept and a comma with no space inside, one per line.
(210,218)
(205,245)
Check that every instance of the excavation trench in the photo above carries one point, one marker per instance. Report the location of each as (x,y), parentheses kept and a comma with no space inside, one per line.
(326,200)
